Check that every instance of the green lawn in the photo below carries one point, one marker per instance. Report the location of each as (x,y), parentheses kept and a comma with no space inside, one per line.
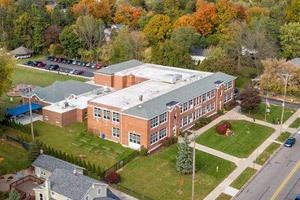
(296,123)
(275,113)
(74,140)
(242,179)
(15,157)
(283,136)
(247,137)
(224,196)
(156,177)
(266,154)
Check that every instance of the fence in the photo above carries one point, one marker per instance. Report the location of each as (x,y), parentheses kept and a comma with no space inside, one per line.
(132,193)
(122,162)
(23,143)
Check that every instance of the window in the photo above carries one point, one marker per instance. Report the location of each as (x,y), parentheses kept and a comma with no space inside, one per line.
(134,138)
(204,97)
(190,104)
(197,101)
(208,95)
(43,172)
(181,123)
(163,133)
(213,94)
(190,118)
(46,117)
(228,85)
(197,114)
(41,196)
(163,118)
(185,121)
(208,108)
(99,191)
(106,114)
(57,120)
(153,138)
(97,112)
(116,132)
(185,107)
(86,197)
(116,117)
(213,106)
(154,122)
(227,98)
(203,111)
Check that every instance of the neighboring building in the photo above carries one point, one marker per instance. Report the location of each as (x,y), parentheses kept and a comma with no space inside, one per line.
(65,181)
(154,102)
(64,102)
(197,56)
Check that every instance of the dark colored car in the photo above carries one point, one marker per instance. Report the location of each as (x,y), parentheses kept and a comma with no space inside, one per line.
(75,62)
(49,58)
(52,67)
(78,72)
(40,64)
(297,197)
(290,142)
(30,63)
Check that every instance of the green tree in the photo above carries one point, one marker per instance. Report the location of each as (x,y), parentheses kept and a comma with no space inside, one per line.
(14,195)
(171,7)
(70,41)
(159,28)
(292,11)
(90,31)
(34,150)
(6,69)
(184,162)
(23,30)
(250,98)
(171,54)
(185,36)
(290,40)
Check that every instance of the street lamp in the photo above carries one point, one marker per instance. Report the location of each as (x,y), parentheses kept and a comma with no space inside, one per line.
(283,102)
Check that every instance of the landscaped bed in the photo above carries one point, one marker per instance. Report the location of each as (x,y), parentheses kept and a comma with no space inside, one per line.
(274,115)
(242,179)
(74,140)
(156,177)
(296,123)
(224,196)
(15,157)
(247,137)
(266,154)
(282,137)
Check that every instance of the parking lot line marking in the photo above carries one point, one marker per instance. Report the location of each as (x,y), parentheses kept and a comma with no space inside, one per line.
(285,181)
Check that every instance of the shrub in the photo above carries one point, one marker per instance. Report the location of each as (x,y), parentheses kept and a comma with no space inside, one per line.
(221,129)
(144,152)
(181,134)
(167,142)
(202,122)
(227,124)
(112,178)
(175,140)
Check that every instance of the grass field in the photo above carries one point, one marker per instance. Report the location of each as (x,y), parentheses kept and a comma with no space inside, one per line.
(247,137)
(156,177)
(242,179)
(15,157)
(224,196)
(296,123)
(275,113)
(283,137)
(74,140)
(266,154)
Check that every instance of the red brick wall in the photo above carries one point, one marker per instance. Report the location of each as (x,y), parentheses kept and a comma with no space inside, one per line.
(102,79)
(63,119)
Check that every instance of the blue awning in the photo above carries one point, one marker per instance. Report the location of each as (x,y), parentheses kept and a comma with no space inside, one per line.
(22,109)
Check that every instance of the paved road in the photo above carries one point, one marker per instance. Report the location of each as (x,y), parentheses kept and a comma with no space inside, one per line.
(279,102)
(270,180)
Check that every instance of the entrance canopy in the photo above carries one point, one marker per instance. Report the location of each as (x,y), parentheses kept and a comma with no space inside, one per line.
(22,109)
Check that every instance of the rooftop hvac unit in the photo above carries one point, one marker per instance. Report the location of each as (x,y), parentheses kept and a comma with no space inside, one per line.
(171,78)
(98,91)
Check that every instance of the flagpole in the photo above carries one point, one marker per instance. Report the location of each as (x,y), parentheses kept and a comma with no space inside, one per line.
(266,110)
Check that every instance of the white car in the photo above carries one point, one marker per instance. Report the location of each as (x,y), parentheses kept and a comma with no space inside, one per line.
(297,131)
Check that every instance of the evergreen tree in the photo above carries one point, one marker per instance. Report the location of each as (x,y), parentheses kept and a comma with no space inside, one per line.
(184,163)
(34,150)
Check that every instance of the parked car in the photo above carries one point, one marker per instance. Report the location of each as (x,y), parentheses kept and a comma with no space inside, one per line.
(52,67)
(89,64)
(100,66)
(69,61)
(40,64)
(75,62)
(290,142)
(78,72)
(30,63)
(297,197)
(49,58)
(73,71)
(297,131)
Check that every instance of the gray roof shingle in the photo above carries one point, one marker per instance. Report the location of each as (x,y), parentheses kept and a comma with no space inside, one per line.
(295,61)
(156,106)
(64,182)
(50,163)
(58,91)
(119,67)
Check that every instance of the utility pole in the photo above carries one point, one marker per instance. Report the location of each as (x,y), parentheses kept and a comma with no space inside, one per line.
(283,103)
(31,124)
(194,160)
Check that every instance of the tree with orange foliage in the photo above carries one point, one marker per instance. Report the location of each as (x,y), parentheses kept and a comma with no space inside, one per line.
(257,12)
(98,9)
(205,18)
(185,20)
(128,15)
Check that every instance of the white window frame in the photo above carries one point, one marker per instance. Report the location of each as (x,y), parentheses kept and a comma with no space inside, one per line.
(163,118)
(190,118)
(115,134)
(86,197)
(97,112)
(47,117)
(116,117)
(153,138)
(134,138)
(213,93)
(204,97)
(106,114)
(191,104)
(208,96)
(162,133)
(57,120)
(99,191)
(41,196)
(154,122)
(212,106)
(185,121)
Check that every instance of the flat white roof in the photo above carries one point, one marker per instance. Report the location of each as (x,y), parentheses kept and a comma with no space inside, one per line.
(159,83)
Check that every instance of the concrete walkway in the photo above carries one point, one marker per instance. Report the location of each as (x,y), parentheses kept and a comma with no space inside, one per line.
(242,164)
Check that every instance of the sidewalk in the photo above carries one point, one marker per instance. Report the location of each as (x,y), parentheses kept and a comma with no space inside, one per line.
(242,164)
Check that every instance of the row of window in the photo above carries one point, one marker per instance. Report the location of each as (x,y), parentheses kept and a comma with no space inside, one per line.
(227,97)
(158,136)
(134,138)
(154,122)
(47,118)
(228,85)
(106,114)
(197,101)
